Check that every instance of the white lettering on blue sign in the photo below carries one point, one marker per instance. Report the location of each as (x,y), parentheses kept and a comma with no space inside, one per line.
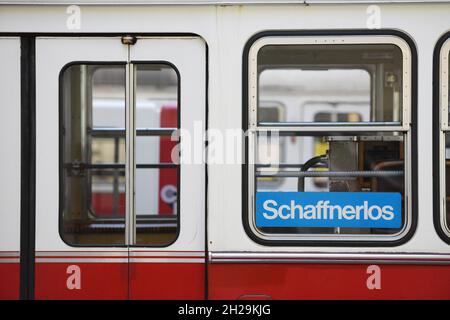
(329,209)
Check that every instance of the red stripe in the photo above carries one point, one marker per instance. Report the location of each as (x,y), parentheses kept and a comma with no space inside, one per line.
(120,257)
(82,257)
(117,251)
(336,259)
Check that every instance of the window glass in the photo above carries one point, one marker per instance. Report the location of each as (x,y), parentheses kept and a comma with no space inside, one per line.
(107,139)
(156,172)
(343,163)
(447,181)
(447,165)
(93,155)
(93,133)
(369,75)
(274,111)
(340,152)
(448,89)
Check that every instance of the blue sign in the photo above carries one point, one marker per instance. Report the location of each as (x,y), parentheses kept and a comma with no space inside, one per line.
(329,209)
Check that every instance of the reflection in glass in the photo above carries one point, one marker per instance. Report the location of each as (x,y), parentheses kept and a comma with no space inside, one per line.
(350,79)
(93,155)
(335,163)
(447,179)
(156,180)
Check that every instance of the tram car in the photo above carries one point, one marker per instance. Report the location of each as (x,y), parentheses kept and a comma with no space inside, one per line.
(203,149)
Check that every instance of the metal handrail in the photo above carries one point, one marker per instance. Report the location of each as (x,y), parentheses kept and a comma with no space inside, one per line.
(120,132)
(287,165)
(104,166)
(296,174)
(330,124)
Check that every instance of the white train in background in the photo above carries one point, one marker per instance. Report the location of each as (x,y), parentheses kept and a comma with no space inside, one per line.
(94,203)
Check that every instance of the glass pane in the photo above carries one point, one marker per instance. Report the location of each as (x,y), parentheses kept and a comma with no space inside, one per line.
(448,88)
(271,111)
(156,187)
(365,80)
(156,96)
(330,163)
(93,131)
(447,179)
(156,206)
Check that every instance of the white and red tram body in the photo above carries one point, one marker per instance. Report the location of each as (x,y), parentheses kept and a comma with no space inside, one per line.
(125,173)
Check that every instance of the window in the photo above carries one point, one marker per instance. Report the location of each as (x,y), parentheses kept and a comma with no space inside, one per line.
(95,174)
(344,170)
(442,214)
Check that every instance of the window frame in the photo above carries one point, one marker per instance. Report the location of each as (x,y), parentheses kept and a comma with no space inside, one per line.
(407,126)
(441,127)
(129,103)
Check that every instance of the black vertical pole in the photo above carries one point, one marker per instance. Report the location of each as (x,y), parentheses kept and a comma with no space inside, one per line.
(27,168)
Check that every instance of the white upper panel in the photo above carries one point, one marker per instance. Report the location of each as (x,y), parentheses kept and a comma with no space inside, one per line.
(50,60)
(10,144)
(214,2)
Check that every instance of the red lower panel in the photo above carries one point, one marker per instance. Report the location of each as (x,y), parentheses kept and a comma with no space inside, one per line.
(9,281)
(167,281)
(112,281)
(327,281)
(96,281)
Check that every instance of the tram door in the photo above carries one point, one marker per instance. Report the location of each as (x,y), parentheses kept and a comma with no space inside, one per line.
(120,205)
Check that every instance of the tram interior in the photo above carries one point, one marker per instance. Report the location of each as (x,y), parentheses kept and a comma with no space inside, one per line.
(94,150)
(315,86)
